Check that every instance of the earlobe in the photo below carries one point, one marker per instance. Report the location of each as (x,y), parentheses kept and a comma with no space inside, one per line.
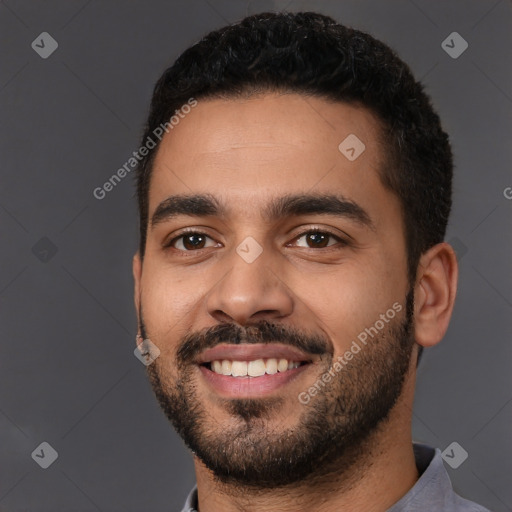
(435,291)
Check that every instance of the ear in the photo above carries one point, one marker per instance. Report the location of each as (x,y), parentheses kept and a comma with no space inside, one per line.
(137,274)
(434,294)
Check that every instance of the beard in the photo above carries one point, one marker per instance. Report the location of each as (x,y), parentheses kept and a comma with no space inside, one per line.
(333,430)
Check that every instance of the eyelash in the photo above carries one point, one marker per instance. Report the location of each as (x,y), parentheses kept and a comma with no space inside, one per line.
(341,241)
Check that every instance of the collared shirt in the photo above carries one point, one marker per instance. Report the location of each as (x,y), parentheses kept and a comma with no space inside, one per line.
(432,492)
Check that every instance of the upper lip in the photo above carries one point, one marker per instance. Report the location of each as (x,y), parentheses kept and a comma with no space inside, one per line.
(250,352)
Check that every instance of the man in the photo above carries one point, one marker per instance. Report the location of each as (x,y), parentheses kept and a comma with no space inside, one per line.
(292,267)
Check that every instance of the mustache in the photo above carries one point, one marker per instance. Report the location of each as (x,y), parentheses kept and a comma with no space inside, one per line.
(262,332)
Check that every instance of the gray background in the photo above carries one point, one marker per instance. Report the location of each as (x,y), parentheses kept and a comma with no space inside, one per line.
(68,373)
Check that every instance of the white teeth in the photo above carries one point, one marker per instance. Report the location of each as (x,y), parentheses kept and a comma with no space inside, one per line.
(282,366)
(226,367)
(255,368)
(238,368)
(271,366)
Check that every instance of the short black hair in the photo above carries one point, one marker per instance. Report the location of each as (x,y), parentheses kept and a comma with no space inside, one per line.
(311,54)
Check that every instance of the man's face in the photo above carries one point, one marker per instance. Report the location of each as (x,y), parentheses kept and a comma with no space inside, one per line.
(253,285)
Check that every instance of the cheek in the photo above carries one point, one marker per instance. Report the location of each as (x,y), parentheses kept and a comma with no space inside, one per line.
(350,299)
(167,303)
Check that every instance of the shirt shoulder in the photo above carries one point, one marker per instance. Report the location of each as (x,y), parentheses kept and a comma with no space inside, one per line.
(433,490)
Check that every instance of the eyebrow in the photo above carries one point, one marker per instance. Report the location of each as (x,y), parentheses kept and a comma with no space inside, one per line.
(206,205)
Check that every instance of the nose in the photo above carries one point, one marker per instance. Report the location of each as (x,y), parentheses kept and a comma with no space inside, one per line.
(250,292)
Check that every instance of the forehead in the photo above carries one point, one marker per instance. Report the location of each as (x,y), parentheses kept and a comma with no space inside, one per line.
(269,145)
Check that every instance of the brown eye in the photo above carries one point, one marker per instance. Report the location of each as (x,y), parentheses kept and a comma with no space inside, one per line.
(316,239)
(190,241)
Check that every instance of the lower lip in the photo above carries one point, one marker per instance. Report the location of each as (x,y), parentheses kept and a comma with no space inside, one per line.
(250,386)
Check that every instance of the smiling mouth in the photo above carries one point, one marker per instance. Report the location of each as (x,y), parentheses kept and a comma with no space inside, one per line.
(253,368)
